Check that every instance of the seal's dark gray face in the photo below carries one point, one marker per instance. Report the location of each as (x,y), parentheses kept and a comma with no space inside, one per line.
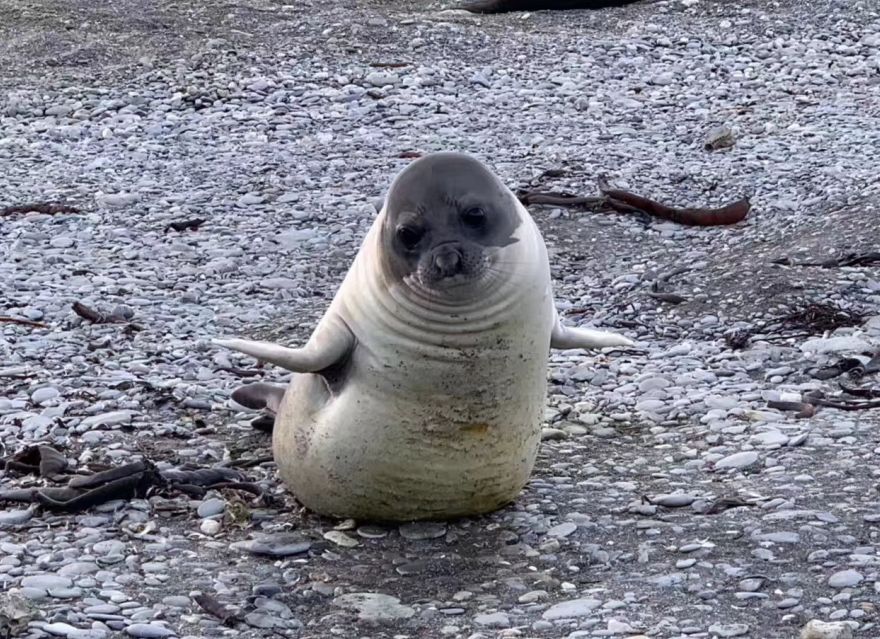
(446,217)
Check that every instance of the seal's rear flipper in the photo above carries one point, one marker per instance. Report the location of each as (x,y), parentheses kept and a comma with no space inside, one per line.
(264,423)
(259,396)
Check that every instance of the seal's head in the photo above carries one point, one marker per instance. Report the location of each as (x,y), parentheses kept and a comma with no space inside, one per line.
(447,217)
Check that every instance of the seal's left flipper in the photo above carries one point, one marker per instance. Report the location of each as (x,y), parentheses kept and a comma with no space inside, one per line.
(330,344)
(565,337)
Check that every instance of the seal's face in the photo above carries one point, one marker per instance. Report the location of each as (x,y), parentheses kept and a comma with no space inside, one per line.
(446,219)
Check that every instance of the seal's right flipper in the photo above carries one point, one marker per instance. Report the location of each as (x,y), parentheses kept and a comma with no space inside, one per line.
(259,396)
(329,345)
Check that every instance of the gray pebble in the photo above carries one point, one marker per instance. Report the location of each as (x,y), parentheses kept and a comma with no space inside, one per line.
(845,579)
(211,507)
(419,531)
(148,631)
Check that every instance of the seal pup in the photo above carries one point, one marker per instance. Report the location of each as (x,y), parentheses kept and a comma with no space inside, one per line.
(421,391)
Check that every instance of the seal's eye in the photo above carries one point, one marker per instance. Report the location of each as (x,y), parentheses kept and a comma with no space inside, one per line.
(409,236)
(474,217)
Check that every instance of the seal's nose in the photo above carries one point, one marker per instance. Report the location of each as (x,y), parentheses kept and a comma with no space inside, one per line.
(447,261)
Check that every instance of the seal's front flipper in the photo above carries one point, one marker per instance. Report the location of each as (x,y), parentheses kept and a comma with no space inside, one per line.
(329,345)
(565,337)
(259,396)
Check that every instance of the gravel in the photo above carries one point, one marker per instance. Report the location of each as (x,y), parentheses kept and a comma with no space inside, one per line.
(669,501)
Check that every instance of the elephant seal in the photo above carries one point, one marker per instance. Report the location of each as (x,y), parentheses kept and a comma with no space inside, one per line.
(421,391)
(504,6)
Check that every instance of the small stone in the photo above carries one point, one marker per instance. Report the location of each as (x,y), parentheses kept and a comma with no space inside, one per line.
(551,434)
(721,137)
(738,461)
(149,631)
(15,517)
(782,537)
(279,283)
(177,601)
(60,629)
(210,527)
(211,507)
(770,438)
(250,199)
(572,609)
(263,620)
(372,532)
(113,418)
(729,630)
(562,530)
(374,607)
(532,596)
(752,584)
(45,394)
(653,383)
(845,579)
(816,629)
(616,627)
(341,539)
(78,569)
(280,545)
(61,242)
(381,79)
(493,620)
(676,500)
(836,345)
(421,530)
(46,582)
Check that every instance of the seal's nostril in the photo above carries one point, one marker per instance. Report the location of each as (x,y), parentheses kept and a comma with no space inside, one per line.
(448,262)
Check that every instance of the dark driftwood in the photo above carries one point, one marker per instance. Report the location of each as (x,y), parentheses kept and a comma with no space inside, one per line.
(868,258)
(626,202)
(97,317)
(185,225)
(132,480)
(46,208)
(559,199)
(802,409)
(866,392)
(504,6)
(240,372)
(726,215)
(210,605)
(817,398)
(135,485)
(806,319)
(15,320)
(40,459)
(723,504)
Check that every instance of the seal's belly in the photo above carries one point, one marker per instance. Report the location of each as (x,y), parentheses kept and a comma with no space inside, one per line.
(436,433)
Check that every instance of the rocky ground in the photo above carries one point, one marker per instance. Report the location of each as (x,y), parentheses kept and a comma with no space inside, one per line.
(669,500)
